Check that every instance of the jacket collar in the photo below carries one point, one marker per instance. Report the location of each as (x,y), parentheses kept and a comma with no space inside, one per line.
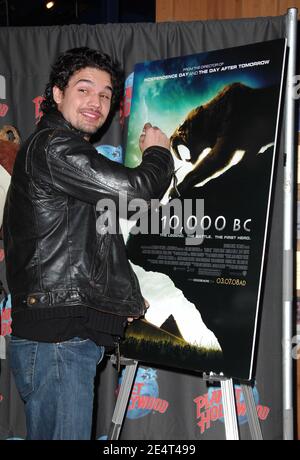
(54,119)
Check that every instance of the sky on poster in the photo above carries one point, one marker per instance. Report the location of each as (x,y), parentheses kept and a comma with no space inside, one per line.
(165,91)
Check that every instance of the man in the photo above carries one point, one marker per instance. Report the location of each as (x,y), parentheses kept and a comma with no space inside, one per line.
(72,288)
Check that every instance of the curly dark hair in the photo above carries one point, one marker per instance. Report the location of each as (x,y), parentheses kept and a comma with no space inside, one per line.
(76,59)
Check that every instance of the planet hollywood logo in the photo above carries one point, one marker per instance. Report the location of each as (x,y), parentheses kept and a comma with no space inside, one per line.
(126,101)
(114,153)
(209,407)
(37,108)
(5,322)
(5,317)
(144,397)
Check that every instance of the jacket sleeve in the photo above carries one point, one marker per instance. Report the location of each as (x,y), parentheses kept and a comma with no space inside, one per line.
(78,170)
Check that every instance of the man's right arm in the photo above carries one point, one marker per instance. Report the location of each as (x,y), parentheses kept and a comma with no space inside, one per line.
(78,170)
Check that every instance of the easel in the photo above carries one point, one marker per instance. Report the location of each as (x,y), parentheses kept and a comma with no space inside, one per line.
(227,390)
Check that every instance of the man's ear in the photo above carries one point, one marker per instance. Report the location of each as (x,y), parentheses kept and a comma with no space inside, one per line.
(57,94)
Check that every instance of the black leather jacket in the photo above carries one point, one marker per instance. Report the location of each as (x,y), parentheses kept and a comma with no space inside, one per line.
(55,258)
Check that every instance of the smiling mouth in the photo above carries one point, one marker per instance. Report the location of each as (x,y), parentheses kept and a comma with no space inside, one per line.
(92,116)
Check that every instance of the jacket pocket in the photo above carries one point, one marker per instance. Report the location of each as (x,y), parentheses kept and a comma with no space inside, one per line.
(100,259)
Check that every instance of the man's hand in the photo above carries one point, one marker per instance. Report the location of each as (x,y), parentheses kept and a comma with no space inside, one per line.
(151,135)
(147,305)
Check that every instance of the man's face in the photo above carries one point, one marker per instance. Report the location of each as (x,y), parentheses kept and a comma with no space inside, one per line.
(85,102)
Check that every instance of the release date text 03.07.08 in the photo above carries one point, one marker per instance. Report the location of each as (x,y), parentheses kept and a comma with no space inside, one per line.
(150,449)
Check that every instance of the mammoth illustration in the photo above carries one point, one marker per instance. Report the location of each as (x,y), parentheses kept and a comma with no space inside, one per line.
(237,124)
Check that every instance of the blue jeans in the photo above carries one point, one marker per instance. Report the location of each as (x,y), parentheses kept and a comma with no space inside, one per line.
(56,382)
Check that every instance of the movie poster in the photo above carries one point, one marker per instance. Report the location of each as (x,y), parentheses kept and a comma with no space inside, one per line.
(200,260)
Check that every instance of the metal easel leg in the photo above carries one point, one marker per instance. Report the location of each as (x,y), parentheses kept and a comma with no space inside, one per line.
(230,418)
(123,397)
(253,421)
